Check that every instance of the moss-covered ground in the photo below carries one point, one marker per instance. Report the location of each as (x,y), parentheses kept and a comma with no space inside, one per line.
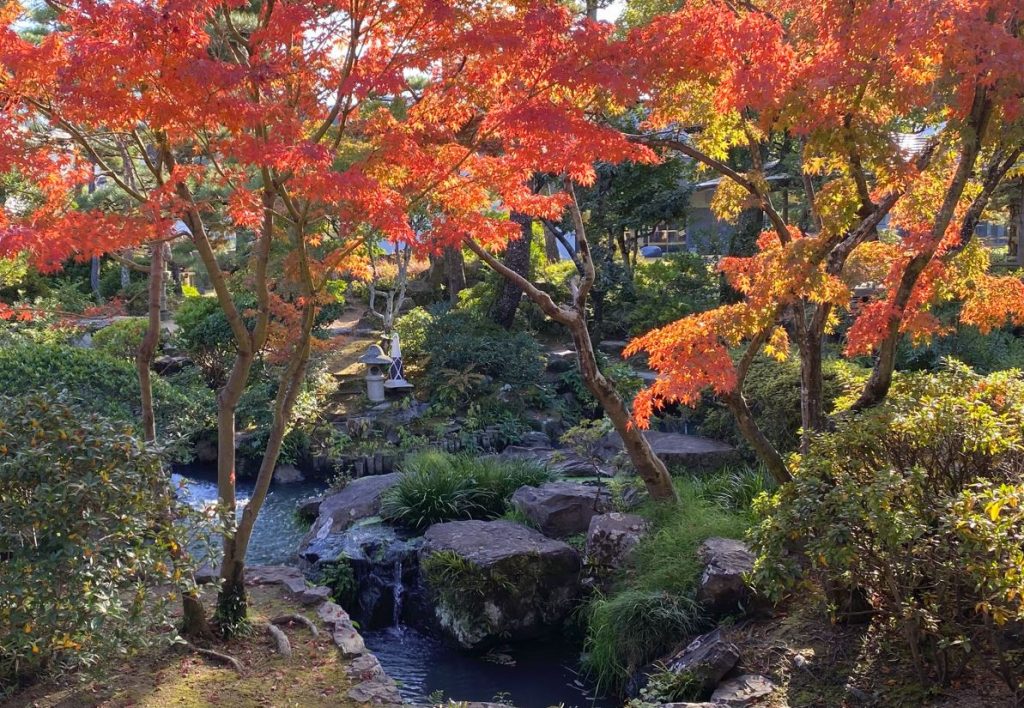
(174,676)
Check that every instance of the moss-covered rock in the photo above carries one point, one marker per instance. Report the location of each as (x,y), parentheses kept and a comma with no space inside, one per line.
(494,581)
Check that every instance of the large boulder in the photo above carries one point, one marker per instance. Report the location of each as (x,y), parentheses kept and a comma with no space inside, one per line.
(704,662)
(723,589)
(495,581)
(690,451)
(359,500)
(562,463)
(562,509)
(611,538)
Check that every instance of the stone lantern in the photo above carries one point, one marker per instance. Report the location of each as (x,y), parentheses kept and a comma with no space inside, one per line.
(377,364)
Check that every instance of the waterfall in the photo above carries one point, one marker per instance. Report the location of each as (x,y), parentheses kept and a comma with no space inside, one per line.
(397,591)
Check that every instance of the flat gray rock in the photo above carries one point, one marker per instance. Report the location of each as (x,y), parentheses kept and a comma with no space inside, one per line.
(562,509)
(742,691)
(691,451)
(359,499)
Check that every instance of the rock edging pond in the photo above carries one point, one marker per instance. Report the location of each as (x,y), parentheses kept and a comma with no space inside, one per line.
(371,684)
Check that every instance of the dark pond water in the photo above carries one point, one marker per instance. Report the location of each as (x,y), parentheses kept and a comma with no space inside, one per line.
(535,675)
(543,673)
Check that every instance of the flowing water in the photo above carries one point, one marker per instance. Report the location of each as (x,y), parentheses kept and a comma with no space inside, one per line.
(278,530)
(531,675)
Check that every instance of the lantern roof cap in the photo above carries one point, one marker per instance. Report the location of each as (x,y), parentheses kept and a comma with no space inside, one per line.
(375,356)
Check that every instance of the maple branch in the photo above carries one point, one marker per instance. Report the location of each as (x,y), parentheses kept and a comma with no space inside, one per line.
(89,149)
(550,308)
(589,272)
(679,146)
(996,169)
(877,386)
(127,263)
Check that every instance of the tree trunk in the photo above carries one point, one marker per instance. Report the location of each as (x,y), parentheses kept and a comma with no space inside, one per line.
(737,405)
(94,278)
(551,246)
(648,466)
(231,605)
(232,602)
(455,269)
(811,394)
(1015,230)
(194,623)
(150,342)
(517,259)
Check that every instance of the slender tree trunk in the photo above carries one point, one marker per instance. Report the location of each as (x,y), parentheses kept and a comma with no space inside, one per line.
(517,259)
(1015,230)
(648,465)
(232,603)
(812,414)
(455,269)
(551,245)
(877,386)
(94,278)
(150,342)
(737,405)
(194,623)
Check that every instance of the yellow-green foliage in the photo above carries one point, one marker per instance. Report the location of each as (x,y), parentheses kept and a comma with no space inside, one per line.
(914,505)
(121,338)
(90,524)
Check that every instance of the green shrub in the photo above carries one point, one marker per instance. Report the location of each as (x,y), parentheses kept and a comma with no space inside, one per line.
(205,335)
(87,538)
(459,343)
(669,288)
(436,487)
(652,606)
(412,328)
(911,506)
(106,384)
(121,338)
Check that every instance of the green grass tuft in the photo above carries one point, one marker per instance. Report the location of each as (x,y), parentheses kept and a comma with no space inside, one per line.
(651,608)
(436,487)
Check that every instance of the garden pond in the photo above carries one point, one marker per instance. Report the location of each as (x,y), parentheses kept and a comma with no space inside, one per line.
(530,675)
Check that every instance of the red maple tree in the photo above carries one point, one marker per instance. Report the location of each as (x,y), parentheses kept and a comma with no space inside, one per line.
(841,84)
(309,125)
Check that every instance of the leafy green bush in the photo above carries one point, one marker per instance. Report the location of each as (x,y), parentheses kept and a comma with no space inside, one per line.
(459,342)
(436,487)
(204,333)
(87,537)
(669,288)
(412,329)
(121,338)
(105,384)
(911,506)
(652,605)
